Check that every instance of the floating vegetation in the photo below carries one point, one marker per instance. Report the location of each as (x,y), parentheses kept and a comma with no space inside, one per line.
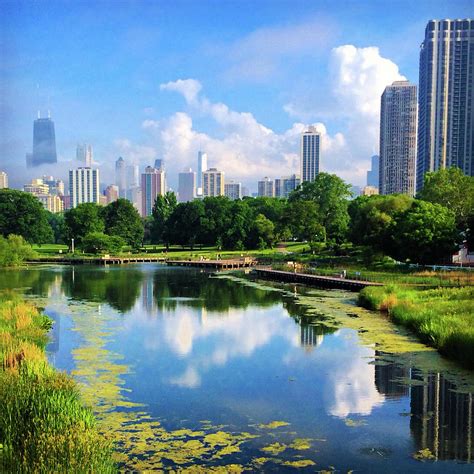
(299,463)
(274,448)
(274,424)
(424,455)
(301,444)
(354,423)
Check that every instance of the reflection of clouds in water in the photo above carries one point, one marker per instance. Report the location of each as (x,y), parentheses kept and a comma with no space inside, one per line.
(189,379)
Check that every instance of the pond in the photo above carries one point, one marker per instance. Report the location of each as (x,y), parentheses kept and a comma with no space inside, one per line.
(186,369)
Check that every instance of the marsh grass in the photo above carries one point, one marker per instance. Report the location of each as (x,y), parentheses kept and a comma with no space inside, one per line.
(442,317)
(44,426)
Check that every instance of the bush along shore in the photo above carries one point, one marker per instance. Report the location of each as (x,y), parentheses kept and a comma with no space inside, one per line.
(443,317)
(43,425)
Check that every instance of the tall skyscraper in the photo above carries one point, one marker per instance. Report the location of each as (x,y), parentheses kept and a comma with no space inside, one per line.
(3,180)
(44,143)
(132,176)
(285,185)
(160,164)
(153,185)
(202,166)
(84,154)
(233,190)
(373,173)
(187,185)
(121,177)
(212,183)
(398,139)
(266,187)
(83,186)
(310,154)
(446,98)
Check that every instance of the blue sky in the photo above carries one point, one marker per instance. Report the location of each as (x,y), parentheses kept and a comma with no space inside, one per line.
(251,75)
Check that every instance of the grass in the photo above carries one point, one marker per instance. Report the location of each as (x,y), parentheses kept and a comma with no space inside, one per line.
(442,317)
(44,426)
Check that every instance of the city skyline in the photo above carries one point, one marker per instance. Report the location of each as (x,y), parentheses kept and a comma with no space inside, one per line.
(245,109)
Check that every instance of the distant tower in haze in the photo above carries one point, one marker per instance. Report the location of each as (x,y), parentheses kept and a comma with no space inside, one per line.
(121,177)
(3,180)
(446,98)
(310,154)
(266,187)
(160,164)
(202,166)
(84,154)
(398,139)
(187,185)
(44,143)
(373,173)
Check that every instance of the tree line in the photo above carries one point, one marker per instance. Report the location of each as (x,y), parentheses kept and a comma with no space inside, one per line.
(425,229)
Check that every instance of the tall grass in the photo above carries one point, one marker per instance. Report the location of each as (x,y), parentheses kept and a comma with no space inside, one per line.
(43,425)
(442,317)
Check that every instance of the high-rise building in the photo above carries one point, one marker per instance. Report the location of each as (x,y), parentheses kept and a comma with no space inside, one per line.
(310,154)
(37,187)
(111,193)
(212,183)
(84,154)
(132,176)
(187,185)
(51,203)
(446,98)
(152,185)
(160,164)
(233,190)
(3,180)
(373,173)
(369,191)
(202,166)
(266,187)
(83,186)
(398,139)
(121,177)
(285,185)
(44,143)
(56,186)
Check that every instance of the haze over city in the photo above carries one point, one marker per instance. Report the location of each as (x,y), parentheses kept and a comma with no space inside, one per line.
(241,80)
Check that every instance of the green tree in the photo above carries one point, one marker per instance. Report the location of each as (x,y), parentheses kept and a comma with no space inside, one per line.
(239,226)
(122,219)
(451,188)
(14,250)
(424,233)
(98,242)
(22,214)
(331,194)
(82,220)
(184,224)
(262,233)
(162,210)
(216,220)
(58,226)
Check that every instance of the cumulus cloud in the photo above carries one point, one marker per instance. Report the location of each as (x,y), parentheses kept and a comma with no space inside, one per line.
(189,88)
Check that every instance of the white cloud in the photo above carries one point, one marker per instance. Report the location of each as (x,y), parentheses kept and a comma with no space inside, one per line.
(189,88)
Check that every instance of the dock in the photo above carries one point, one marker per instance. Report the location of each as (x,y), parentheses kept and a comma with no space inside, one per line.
(226,264)
(105,260)
(314,280)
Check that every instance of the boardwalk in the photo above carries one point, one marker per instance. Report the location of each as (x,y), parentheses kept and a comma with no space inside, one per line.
(96,260)
(227,264)
(314,280)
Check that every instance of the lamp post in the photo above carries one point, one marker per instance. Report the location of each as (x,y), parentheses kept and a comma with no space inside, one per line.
(72,245)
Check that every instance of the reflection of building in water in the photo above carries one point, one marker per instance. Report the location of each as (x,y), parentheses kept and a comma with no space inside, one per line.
(388,379)
(310,336)
(147,295)
(442,419)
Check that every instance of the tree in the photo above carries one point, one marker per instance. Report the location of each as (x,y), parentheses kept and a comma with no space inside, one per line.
(235,235)
(14,250)
(451,188)
(331,194)
(122,219)
(262,233)
(216,220)
(58,226)
(22,214)
(424,233)
(162,210)
(303,221)
(184,224)
(82,220)
(98,242)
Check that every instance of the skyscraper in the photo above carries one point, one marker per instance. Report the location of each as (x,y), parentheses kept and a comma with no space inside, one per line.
(3,180)
(83,186)
(187,185)
(398,139)
(285,185)
(84,154)
(310,154)
(153,185)
(373,173)
(44,143)
(446,98)
(212,183)
(121,177)
(266,187)
(202,166)
(233,190)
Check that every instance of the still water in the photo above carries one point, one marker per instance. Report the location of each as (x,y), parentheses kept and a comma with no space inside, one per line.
(185,369)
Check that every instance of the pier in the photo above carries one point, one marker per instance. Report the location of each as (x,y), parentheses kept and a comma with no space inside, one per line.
(226,264)
(314,280)
(105,260)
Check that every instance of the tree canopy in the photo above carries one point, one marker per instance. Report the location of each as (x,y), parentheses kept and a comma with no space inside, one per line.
(82,220)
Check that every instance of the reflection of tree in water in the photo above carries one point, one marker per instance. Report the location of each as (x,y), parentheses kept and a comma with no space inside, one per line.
(36,280)
(118,287)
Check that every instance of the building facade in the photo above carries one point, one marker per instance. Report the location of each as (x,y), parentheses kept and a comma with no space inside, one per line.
(212,183)
(310,154)
(398,139)
(285,185)
(83,186)
(233,190)
(51,203)
(152,185)
(44,143)
(84,154)
(202,166)
(373,173)
(266,187)
(121,177)
(3,180)
(446,98)
(369,191)
(111,193)
(186,185)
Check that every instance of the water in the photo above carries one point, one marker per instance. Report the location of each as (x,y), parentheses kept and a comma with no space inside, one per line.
(183,368)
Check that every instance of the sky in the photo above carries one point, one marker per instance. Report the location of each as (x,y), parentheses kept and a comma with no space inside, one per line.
(238,79)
